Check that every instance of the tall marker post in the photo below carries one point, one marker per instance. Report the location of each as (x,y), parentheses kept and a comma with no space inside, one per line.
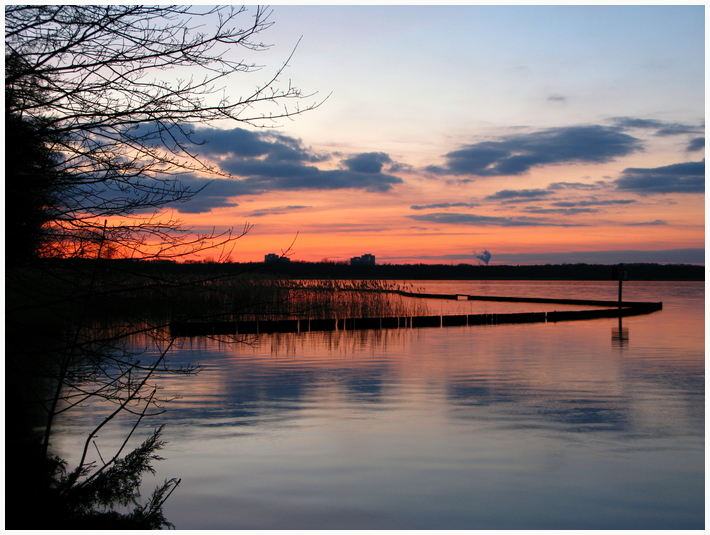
(621,336)
(621,274)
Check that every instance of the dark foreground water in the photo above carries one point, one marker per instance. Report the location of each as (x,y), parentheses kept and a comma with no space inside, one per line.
(540,426)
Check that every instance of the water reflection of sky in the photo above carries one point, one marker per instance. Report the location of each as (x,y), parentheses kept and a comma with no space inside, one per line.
(546,426)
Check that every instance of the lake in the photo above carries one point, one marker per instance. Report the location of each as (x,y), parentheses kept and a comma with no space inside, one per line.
(530,426)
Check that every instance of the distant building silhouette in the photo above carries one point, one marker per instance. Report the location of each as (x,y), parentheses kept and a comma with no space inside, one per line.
(273,258)
(364,260)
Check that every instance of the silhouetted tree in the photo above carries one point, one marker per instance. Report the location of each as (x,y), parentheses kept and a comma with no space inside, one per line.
(97,136)
(89,85)
(29,185)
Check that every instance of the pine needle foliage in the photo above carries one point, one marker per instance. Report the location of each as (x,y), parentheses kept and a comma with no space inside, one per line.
(90,498)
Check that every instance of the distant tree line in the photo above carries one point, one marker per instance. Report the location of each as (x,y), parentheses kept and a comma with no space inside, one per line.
(638,272)
(346,271)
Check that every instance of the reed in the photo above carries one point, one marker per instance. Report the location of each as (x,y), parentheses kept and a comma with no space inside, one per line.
(264,298)
(341,299)
(261,298)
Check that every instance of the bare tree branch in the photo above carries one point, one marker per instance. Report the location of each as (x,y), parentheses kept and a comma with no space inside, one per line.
(96,86)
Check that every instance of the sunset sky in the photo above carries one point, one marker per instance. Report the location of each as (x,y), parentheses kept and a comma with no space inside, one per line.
(543,134)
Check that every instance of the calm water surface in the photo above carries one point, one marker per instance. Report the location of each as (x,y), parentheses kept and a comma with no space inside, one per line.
(539,426)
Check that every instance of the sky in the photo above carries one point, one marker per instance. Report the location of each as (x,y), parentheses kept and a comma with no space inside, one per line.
(541,134)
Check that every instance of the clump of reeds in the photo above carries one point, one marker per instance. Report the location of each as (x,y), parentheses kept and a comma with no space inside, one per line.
(342,299)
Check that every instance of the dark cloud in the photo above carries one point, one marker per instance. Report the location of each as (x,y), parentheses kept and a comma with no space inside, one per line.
(263,161)
(677,178)
(337,228)
(311,178)
(526,194)
(516,154)
(575,207)
(215,193)
(696,144)
(445,205)
(204,203)
(662,128)
(234,142)
(567,204)
(562,211)
(241,143)
(630,122)
(210,194)
(557,98)
(400,168)
(263,153)
(367,162)
(577,185)
(207,194)
(481,220)
(678,129)
(284,168)
(656,222)
(277,210)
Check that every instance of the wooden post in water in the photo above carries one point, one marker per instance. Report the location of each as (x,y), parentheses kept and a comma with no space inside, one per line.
(620,274)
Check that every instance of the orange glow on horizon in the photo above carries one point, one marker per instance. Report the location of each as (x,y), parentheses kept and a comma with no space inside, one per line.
(342,224)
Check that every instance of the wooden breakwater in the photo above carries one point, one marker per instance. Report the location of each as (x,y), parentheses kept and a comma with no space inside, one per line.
(608,309)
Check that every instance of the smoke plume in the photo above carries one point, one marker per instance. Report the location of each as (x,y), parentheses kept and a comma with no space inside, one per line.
(485,256)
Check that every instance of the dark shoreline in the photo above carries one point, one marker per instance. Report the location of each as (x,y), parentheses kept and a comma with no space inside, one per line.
(637,272)
(407,272)
(327,270)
